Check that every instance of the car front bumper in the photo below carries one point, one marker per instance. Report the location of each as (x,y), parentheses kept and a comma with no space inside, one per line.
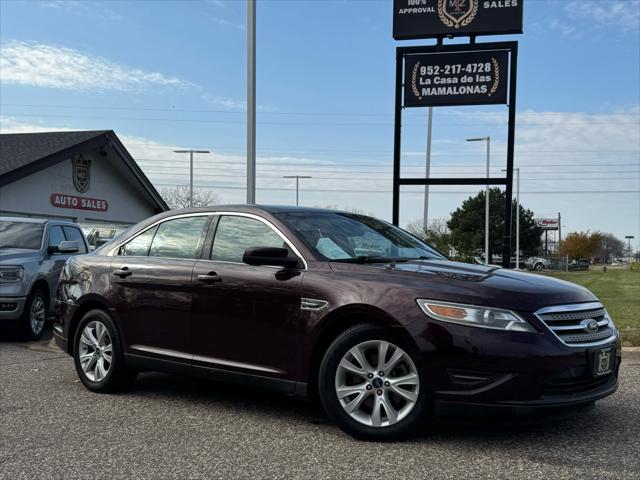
(524,372)
(11,308)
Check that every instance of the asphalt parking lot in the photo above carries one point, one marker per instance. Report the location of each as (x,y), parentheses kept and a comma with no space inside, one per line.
(174,427)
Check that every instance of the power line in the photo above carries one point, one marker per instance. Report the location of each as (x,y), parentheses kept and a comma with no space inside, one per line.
(301,113)
(329,124)
(410,192)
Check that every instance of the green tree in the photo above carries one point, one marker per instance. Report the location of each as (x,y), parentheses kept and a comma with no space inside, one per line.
(467,226)
(436,234)
(578,245)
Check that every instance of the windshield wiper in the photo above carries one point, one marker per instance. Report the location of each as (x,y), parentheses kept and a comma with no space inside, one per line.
(369,259)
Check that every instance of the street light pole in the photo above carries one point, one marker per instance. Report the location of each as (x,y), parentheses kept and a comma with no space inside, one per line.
(251,101)
(486,203)
(425,218)
(191,152)
(297,177)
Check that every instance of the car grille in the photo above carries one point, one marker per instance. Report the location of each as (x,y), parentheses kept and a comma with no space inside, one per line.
(575,385)
(569,323)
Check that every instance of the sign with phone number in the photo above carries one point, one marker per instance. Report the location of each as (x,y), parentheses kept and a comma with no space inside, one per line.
(458,78)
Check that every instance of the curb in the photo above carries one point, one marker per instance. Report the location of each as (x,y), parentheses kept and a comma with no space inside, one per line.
(630,354)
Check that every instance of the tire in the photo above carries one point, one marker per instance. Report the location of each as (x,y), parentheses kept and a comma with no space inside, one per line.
(370,418)
(101,369)
(34,315)
(538,267)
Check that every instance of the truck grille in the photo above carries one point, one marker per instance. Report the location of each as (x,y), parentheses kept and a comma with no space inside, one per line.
(579,325)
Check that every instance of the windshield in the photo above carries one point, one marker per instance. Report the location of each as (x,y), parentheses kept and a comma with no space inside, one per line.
(21,235)
(348,237)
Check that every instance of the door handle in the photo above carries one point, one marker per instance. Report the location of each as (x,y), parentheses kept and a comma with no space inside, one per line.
(210,278)
(122,272)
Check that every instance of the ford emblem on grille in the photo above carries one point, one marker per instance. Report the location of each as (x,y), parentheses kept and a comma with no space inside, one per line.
(589,325)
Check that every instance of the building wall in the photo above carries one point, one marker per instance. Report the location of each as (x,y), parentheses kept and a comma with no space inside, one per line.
(109,181)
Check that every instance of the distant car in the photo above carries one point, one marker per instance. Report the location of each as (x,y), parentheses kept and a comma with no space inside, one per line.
(100,235)
(537,263)
(32,254)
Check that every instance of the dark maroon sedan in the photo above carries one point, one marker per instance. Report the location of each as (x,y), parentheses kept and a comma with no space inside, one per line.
(337,306)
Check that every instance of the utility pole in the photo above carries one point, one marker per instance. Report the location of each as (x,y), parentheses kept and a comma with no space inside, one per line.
(251,101)
(297,177)
(486,204)
(191,152)
(425,218)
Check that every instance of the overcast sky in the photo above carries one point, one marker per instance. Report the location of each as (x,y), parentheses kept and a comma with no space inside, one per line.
(168,74)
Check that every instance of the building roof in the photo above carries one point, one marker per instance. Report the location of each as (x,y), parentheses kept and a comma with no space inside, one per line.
(20,149)
(22,154)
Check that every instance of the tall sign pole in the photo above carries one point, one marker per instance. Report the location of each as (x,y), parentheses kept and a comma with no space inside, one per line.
(251,101)
(459,74)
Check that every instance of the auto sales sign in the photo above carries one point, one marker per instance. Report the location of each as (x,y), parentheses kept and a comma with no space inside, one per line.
(440,18)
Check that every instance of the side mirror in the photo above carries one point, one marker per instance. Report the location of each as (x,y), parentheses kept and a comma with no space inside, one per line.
(269,256)
(67,246)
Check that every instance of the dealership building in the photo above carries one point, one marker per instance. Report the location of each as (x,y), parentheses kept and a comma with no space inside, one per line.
(86,176)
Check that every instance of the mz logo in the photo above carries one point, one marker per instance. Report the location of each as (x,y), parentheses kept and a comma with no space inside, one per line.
(457,13)
(81,173)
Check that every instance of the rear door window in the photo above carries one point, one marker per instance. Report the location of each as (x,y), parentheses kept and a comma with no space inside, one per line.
(72,233)
(139,245)
(179,238)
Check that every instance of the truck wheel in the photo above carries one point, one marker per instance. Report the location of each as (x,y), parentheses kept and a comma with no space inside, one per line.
(371,384)
(98,355)
(34,315)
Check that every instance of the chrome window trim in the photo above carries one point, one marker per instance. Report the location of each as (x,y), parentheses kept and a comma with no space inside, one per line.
(575,307)
(112,252)
(268,224)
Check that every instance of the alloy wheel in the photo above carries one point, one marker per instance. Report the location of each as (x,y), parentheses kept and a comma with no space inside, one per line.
(37,315)
(95,350)
(377,383)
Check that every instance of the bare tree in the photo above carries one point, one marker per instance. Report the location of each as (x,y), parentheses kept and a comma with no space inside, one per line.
(178,197)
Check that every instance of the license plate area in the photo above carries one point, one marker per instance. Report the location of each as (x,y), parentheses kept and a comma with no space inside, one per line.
(603,361)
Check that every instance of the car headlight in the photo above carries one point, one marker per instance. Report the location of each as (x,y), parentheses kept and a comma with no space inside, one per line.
(475,316)
(11,274)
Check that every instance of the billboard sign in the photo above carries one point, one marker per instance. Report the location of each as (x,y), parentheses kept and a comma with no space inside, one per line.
(548,223)
(439,18)
(457,78)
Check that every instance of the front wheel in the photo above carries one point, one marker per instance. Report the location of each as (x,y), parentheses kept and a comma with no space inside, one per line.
(370,384)
(34,315)
(98,354)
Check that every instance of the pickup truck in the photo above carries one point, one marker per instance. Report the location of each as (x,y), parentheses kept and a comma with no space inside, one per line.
(32,254)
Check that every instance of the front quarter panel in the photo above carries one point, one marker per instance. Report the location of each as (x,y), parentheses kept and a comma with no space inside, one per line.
(84,282)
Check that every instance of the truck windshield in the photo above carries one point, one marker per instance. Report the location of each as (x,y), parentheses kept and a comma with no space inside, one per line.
(347,237)
(26,235)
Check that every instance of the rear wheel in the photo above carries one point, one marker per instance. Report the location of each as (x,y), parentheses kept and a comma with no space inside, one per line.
(538,267)
(98,354)
(370,384)
(34,315)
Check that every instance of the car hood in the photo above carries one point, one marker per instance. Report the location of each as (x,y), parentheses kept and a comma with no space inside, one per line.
(17,256)
(484,285)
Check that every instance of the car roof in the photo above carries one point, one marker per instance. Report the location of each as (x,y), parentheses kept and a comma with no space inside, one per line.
(243,208)
(37,220)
